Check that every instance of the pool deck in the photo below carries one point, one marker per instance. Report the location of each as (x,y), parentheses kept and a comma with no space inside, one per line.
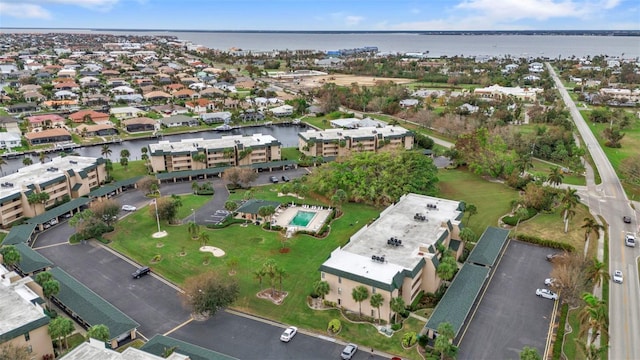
(284,216)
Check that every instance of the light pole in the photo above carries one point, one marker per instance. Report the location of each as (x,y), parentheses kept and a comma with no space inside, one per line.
(193,212)
(155,202)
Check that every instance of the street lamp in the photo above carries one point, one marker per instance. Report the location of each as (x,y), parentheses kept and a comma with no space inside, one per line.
(193,212)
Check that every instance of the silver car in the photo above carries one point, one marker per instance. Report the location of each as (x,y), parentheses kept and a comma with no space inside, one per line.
(547,294)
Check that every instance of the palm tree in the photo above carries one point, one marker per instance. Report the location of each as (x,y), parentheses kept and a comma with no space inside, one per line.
(259,274)
(193,229)
(321,288)
(597,272)
(524,163)
(124,153)
(195,187)
(570,199)
(592,351)
(397,306)
(470,210)
(589,226)
(10,255)
(555,176)
(106,151)
(376,301)
(27,161)
(443,340)
(593,317)
(281,273)
(360,293)
(42,157)
(50,288)
(2,162)
(203,237)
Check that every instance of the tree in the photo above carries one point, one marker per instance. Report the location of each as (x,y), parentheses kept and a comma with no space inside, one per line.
(259,275)
(597,272)
(447,267)
(570,200)
(593,317)
(10,255)
(231,205)
(27,161)
(444,338)
(520,214)
(569,272)
(592,351)
(397,306)
(43,277)
(467,235)
(613,136)
(270,269)
(203,238)
(106,151)
(339,198)
(471,210)
(321,288)
(555,176)
(266,212)
(524,163)
(204,294)
(589,226)
(61,327)
(50,288)
(145,183)
(42,157)
(239,176)
(106,210)
(9,351)
(124,162)
(37,198)
(232,263)
(124,153)
(99,332)
(376,301)
(359,294)
(195,187)
(193,229)
(529,353)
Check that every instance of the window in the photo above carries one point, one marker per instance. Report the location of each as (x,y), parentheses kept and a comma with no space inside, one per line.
(373,290)
(339,302)
(26,336)
(322,275)
(372,314)
(339,291)
(339,280)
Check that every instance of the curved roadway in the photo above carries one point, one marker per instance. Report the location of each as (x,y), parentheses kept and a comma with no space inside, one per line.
(610,202)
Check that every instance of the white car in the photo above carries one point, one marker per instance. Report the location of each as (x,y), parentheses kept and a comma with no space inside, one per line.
(617,276)
(128,208)
(630,240)
(547,294)
(549,281)
(289,333)
(349,351)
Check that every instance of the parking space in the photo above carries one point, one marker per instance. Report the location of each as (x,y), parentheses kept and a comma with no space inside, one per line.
(148,300)
(510,316)
(218,217)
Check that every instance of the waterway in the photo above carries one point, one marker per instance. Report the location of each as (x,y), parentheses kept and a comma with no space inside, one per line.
(286,134)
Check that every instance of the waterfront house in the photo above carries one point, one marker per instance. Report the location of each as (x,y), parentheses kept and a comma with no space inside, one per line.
(126,112)
(48,136)
(96,130)
(179,120)
(45,120)
(216,117)
(139,124)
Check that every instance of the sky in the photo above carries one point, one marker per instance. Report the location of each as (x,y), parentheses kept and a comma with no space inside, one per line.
(338,15)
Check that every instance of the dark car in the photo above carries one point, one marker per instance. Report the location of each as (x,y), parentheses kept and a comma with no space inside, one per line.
(626,219)
(141,272)
(285,178)
(273,179)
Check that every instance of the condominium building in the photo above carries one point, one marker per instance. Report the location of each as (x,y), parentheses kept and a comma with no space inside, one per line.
(499,92)
(61,178)
(341,142)
(195,154)
(23,323)
(397,255)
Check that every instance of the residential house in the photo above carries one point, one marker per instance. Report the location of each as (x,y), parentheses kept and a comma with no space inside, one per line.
(354,123)
(408,103)
(45,120)
(157,96)
(396,256)
(96,130)
(128,98)
(23,322)
(10,124)
(169,109)
(200,106)
(179,120)
(48,136)
(233,150)
(185,94)
(284,110)
(140,124)
(64,105)
(216,117)
(9,140)
(126,112)
(342,142)
(123,90)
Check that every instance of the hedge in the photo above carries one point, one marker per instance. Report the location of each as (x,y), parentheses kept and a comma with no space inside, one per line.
(544,242)
(513,220)
(226,223)
(557,345)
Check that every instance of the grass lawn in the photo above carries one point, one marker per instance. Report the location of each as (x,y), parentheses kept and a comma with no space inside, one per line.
(493,200)
(543,168)
(135,168)
(291,153)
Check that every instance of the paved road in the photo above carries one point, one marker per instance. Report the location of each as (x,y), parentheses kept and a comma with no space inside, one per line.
(610,201)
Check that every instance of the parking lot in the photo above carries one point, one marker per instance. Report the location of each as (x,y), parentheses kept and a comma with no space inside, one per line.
(510,316)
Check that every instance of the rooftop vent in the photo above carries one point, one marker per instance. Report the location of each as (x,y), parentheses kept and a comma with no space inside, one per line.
(6,184)
(377,258)
(52,169)
(393,241)
(73,162)
(419,217)
(432,206)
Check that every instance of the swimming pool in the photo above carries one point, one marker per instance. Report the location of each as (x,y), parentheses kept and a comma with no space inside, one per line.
(302,218)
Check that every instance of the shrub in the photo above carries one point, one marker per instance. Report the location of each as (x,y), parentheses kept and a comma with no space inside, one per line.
(334,326)
(409,339)
(416,301)
(557,345)
(544,242)
(513,220)
(330,303)
(156,258)
(423,340)
(396,326)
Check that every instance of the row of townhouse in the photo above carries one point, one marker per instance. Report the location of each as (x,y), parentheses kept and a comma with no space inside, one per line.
(60,178)
(342,142)
(196,154)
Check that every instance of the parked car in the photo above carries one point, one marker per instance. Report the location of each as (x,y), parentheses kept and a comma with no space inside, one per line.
(53,221)
(626,219)
(630,240)
(140,272)
(289,333)
(552,257)
(549,281)
(285,178)
(128,208)
(349,351)
(273,179)
(66,215)
(547,294)
(617,277)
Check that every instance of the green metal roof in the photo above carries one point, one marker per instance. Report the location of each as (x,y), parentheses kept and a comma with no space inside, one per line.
(102,191)
(489,246)
(361,279)
(159,343)
(57,180)
(19,234)
(127,182)
(13,196)
(457,302)
(271,164)
(89,306)
(59,210)
(187,173)
(76,187)
(252,206)
(30,260)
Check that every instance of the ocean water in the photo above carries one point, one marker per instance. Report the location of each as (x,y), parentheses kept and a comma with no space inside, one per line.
(551,46)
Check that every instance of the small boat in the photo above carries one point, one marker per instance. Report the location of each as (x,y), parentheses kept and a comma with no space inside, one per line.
(225,127)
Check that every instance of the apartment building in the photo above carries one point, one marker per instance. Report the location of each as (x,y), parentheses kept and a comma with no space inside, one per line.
(396,255)
(196,154)
(62,177)
(342,142)
(23,323)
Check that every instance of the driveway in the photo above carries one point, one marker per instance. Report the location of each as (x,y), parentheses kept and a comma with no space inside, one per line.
(510,316)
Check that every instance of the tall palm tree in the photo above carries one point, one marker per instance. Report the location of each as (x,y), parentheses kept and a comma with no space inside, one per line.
(360,293)
(27,161)
(259,274)
(397,306)
(593,316)
(376,301)
(321,288)
(589,226)
(569,200)
(597,272)
(124,153)
(3,162)
(524,163)
(106,151)
(203,237)
(555,176)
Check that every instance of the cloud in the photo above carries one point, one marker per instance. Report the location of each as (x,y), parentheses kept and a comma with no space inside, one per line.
(37,8)
(348,20)
(353,20)
(24,11)
(523,9)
